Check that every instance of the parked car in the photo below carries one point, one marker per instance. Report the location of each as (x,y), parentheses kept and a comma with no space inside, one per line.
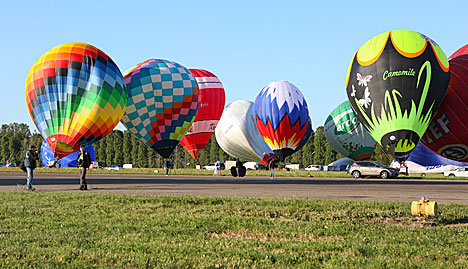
(96,165)
(115,167)
(313,167)
(212,166)
(2,164)
(251,165)
(11,165)
(293,166)
(459,172)
(368,168)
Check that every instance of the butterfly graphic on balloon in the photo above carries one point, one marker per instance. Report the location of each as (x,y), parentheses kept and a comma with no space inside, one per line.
(362,81)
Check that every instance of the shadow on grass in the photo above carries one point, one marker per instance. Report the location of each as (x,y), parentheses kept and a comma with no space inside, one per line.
(463,220)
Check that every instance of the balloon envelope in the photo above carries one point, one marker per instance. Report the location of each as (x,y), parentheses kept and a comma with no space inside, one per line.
(425,157)
(237,134)
(281,116)
(347,135)
(448,132)
(461,51)
(162,103)
(209,111)
(69,161)
(395,84)
(306,136)
(75,95)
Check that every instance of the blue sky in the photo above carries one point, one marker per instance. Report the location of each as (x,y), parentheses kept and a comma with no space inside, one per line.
(247,44)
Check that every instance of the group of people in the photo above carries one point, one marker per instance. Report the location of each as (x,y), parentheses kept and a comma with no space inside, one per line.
(84,161)
(30,162)
(217,170)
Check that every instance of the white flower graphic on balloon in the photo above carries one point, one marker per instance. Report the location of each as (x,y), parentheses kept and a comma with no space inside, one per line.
(365,101)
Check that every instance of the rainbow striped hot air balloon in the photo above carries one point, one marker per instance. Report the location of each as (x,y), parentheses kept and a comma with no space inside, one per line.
(162,103)
(75,95)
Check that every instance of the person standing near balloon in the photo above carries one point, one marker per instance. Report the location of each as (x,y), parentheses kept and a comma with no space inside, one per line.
(217,168)
(30,163)
(83,161)
(271,165)
(167,166)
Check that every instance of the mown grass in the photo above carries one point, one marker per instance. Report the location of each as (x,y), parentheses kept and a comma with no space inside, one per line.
(104,230)
(196,172)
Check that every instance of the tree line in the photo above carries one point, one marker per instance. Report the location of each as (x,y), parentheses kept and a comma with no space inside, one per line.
(121,147)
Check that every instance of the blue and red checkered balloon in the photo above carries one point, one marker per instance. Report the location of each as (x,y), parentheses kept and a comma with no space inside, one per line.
(162,103)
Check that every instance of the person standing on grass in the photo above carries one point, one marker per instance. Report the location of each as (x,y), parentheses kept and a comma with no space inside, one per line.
(83,162)
(167,166)
(217,166)
(271,165)
(30,164)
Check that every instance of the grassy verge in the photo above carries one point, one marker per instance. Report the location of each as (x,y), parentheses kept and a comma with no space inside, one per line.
(83,230)
(195,172)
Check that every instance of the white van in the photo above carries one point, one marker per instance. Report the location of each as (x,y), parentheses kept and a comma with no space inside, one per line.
(230,164)
(128,166)
(251,165)
(313,167)
(293,166)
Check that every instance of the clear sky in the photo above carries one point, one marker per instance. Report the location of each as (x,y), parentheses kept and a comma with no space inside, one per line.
(247,44)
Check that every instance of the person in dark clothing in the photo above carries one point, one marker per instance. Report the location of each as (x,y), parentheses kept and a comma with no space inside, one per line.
(30,163)
(238,163)
(167,166)
(239,168)
(83,162)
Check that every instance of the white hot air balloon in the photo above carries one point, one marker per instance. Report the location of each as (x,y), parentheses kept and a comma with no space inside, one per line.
(237,134)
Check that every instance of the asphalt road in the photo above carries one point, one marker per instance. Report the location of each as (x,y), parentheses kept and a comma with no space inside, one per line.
(442,191)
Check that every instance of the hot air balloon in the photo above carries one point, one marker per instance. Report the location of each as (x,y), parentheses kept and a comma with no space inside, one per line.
(237,134)
(346,135)
(306,136)
(69,161)
(162,103)
(461,51)
(281,116)
(209,111)
(395,84)
(447,134)
(423,160)
(75,95)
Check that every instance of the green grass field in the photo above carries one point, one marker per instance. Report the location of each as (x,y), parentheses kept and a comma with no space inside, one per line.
(85,230)
(265,173)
